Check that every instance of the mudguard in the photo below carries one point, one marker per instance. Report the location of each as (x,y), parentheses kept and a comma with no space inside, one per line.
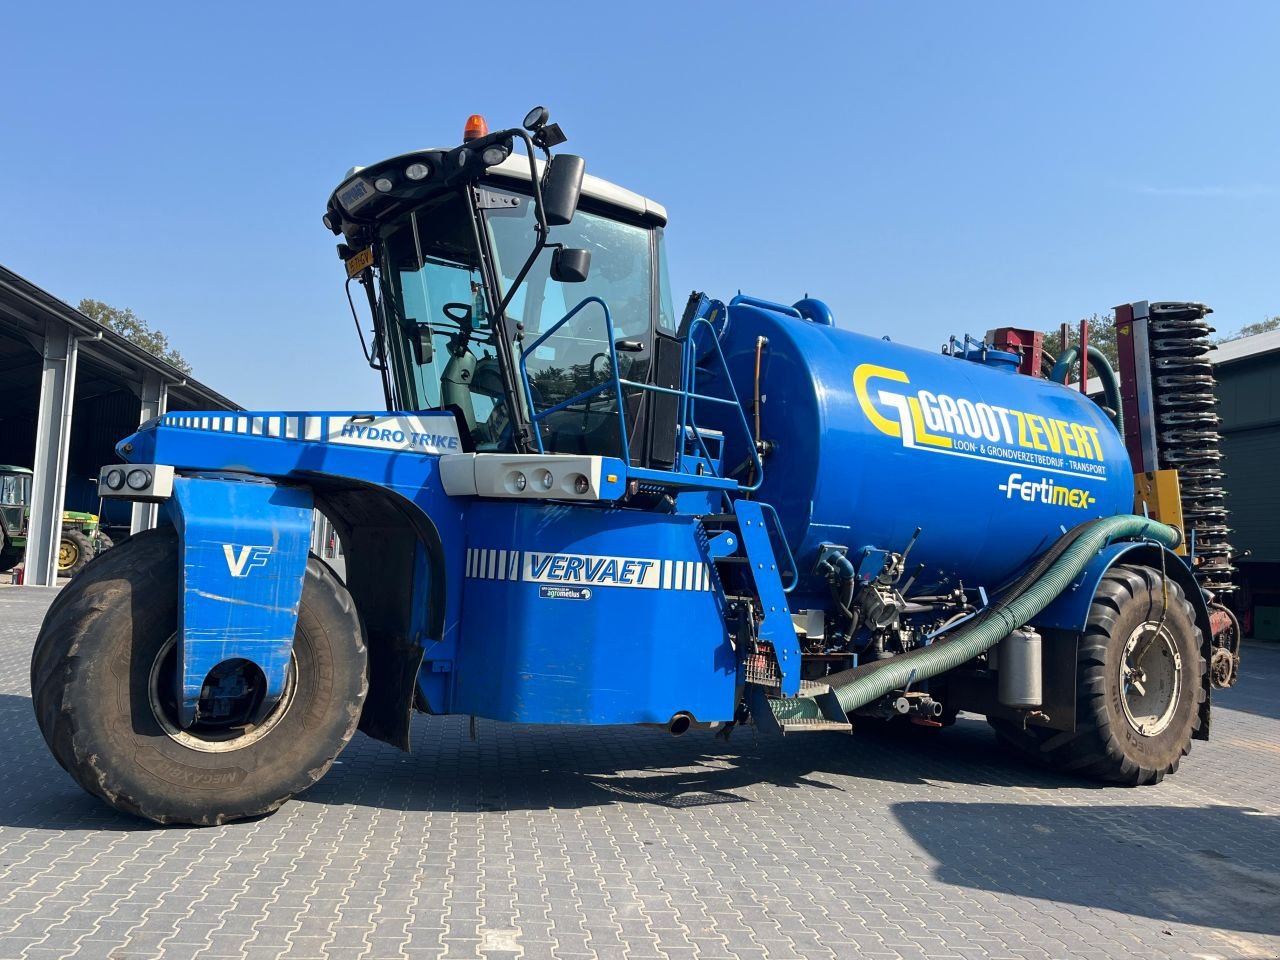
(244,543)
(250,483)
(1069,613)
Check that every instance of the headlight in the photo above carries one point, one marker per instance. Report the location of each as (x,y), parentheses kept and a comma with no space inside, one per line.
(581,484)
(151,482)
(383,184)
(517,481)
(494,155)
(417,171)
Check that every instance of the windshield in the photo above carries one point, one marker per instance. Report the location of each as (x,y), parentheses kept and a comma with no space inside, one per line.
(440,335)
(444,346)
(15,489)
(575,358)
(621,269)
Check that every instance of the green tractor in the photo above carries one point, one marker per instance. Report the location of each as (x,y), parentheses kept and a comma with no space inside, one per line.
(82,537)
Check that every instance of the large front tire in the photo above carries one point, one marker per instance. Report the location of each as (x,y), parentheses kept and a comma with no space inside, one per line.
(1138,685)
(100,677)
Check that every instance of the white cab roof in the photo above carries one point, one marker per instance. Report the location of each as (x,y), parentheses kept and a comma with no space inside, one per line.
(516,166)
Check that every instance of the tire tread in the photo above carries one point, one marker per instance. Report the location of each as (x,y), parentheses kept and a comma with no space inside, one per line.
(1094,750)
(56,671)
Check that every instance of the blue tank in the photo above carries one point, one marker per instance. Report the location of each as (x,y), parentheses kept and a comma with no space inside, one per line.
(872,439)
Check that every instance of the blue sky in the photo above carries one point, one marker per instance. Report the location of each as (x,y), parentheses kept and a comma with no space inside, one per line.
(927,168)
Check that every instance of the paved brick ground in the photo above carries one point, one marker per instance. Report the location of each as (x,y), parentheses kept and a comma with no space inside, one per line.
(628,844)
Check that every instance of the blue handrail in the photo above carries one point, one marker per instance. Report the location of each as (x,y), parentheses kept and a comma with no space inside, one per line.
(613,370)
(687,393)
(689,415)
(794,571)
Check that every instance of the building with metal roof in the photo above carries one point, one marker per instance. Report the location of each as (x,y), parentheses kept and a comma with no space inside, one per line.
(1248,375)
(69,390)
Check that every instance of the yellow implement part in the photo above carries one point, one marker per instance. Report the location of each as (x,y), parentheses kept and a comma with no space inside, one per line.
(1158,491)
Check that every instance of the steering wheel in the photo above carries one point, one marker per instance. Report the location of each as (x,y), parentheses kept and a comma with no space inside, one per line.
(459,313)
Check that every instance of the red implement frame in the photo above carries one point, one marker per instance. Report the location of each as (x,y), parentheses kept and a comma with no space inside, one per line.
(1027,344)
(1129,383)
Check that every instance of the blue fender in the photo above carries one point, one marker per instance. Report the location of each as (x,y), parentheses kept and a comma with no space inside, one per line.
(244,544)
(1070,611)
(252,480)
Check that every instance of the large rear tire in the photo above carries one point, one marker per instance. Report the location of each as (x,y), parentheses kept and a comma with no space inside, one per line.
(1138,685)
(100,679)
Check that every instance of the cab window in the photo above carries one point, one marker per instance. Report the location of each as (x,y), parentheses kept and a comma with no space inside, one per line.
(442,340)
(576,357)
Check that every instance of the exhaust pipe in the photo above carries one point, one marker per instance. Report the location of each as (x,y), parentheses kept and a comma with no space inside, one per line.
(680,723)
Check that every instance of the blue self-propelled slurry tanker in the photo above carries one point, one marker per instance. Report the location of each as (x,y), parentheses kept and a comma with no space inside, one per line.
(580,506)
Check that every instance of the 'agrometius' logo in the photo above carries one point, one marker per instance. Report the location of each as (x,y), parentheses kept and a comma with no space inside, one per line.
(941,423)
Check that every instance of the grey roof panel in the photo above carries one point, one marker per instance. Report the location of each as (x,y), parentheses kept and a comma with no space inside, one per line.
(1254,346)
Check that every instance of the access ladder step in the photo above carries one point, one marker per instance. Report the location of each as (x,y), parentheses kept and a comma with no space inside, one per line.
(728,519)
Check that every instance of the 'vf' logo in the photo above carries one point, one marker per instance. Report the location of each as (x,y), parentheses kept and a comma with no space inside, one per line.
(240,560)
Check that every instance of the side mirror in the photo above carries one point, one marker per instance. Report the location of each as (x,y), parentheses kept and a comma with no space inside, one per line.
(419,335)
(570,264)
(561,187)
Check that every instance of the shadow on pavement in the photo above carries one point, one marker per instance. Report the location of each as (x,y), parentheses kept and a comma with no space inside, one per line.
(35,791)
(510,767)
(513,767)
(1212,866)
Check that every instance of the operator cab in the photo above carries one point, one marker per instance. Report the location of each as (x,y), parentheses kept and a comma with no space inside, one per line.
(468,265)
(15,499)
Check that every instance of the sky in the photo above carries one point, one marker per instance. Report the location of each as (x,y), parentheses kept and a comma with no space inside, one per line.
(926,168)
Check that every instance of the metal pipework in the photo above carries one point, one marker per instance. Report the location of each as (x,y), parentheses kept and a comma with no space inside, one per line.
(1052,574)
(1110,382)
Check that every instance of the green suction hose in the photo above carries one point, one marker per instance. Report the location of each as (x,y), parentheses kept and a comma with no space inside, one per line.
(1099,363)
(1039,587)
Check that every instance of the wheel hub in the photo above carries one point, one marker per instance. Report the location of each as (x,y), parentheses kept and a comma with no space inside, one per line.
(229,715)
(1150,678)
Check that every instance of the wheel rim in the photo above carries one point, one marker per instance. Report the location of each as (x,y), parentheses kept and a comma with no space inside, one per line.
(1150,679)
(68,554)
(227,721)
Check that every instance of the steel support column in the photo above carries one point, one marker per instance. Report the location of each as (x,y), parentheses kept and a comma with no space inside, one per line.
(154,394)
(53,441)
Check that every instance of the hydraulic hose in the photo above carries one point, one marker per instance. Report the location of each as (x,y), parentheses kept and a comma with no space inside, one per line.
(1110,382)
(1053,573)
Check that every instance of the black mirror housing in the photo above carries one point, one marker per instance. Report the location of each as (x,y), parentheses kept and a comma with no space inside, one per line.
(570,264)
(419,335)
(561,187)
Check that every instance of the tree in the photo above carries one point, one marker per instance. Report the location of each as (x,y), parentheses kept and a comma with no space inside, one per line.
(132,327)
(1251,329)
(1102,334)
